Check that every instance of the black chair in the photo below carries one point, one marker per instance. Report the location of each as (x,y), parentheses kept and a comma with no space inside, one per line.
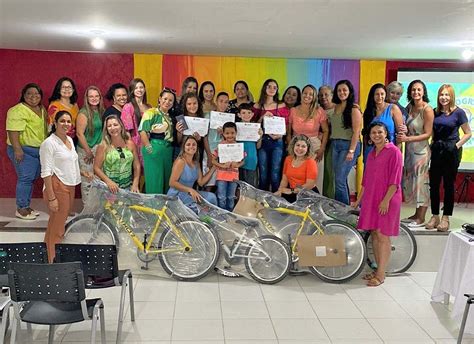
(52,294)
(100,266)
(32,252)
(469,302)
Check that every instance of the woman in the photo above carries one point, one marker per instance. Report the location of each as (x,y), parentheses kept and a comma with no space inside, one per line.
(117,163)
(117,93)
(60,173)
(446,154)
(377,110)
(132,112)
(89,135)
(346,123)
(292,97)
(26,130)
(207,92)
(242,96)
(394,93)
(186,172)
(325,100)
(156,132)
(381,198)
(64,98)
(270,155)
(307,119)
(417,152)
(189,85)
(300,170)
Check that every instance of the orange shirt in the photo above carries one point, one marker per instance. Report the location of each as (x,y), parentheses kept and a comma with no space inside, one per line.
(297,176)
(55,106)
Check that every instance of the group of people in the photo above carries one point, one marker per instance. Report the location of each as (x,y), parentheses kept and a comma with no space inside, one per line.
(135,146)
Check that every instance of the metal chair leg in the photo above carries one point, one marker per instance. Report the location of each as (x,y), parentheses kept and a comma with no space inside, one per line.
(121,311)
(132,301)
(102,325)
(15,325)
(470,300)
(51,334)
(5,319)
(94,325)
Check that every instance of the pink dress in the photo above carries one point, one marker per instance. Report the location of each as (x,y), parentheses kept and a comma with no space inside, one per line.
(131,125)
(380,172)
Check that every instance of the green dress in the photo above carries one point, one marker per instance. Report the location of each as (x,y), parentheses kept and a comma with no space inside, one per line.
(118,166)
(158,163)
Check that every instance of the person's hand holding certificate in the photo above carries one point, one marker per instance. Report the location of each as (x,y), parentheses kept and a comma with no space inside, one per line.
(230,152)
(248,131)
(217,119)
(274,125)
(196,125)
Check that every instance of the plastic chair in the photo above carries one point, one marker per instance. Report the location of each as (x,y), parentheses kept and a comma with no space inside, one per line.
(52,294)
(100,267)
(32,252)
(469,302)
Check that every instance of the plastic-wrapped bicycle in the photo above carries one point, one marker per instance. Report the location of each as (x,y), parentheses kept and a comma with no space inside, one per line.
(159,227)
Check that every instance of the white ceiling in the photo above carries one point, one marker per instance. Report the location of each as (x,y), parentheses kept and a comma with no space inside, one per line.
(378,29)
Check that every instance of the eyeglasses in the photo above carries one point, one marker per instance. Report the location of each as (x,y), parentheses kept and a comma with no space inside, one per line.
(167,89)
(120,150)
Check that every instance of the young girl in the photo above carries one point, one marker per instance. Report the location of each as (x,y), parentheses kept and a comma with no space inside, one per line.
(89,135)
(300,170)
(227,172)
(117,163)
(381,198)
(186,172)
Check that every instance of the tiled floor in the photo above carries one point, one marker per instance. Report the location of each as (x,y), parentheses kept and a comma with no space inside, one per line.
(300,309)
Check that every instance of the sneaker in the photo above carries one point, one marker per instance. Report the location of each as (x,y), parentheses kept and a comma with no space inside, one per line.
(26,216)
(34,212)
(225,271)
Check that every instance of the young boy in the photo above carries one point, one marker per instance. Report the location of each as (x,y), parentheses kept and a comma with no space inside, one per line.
(227,172)
(212,139)
(248,171)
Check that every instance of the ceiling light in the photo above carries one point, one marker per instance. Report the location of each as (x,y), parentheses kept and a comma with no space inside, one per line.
(98,43)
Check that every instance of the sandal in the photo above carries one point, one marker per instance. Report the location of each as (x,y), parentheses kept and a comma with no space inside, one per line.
(369,276)
(443,225)
(433,222)
(374,282)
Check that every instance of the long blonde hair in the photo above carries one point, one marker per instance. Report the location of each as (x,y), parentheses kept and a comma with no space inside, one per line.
(89,113)
(314,103)
(106,139)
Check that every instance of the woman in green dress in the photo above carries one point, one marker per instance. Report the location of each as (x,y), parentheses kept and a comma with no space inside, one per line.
(116,162)
(156,133)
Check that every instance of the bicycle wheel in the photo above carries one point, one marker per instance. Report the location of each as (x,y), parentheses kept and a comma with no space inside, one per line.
(268,262)
(88,229)
(193,264)
(355,251)
(403,252)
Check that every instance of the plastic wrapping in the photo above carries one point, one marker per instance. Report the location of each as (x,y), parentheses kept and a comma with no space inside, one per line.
(307,216)
(247,248)
(154,234)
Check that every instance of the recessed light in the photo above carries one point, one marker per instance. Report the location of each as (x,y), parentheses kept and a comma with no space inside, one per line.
(98,43)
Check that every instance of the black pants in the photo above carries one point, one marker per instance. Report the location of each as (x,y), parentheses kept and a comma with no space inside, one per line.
(445,159)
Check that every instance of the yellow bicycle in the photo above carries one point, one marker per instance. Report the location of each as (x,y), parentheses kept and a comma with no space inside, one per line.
(289,221)
(187,250)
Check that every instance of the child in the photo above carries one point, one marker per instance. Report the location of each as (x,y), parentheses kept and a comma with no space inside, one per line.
(213,138)
(227,172)
(248,171)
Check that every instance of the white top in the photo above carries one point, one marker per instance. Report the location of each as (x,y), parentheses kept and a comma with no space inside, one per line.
(59,160)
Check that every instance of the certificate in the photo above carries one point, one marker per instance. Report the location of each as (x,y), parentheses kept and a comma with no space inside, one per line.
(230,152)
(274,125)
(196,125)
(219,118)
(247,131)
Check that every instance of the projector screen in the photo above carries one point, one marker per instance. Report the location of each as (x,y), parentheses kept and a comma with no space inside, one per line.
(463,83)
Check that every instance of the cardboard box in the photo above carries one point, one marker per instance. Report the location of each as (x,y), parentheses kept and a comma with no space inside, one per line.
(321,250)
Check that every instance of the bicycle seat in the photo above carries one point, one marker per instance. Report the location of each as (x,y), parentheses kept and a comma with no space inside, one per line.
(247,223)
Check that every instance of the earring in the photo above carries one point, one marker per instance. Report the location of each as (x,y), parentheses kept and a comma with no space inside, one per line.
(369,142)
(386,140)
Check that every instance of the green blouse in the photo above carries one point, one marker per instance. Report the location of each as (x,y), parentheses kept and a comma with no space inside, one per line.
(154,117)
(118,166)
(96,137)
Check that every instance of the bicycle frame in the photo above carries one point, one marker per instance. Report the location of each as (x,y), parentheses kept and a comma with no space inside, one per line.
(146,246)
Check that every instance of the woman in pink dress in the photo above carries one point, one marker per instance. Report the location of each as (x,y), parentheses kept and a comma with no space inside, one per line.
(381,198)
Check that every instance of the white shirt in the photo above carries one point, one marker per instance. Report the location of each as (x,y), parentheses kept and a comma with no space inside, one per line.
(56,158)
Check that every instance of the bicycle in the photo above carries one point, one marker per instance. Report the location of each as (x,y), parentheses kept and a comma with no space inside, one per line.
(266,258)
(288,222)
(403,247)
(187,249)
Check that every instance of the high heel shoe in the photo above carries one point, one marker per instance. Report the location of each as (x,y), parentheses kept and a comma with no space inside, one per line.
(433,222)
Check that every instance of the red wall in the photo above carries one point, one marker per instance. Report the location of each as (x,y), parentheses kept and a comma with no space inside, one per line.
(18,68)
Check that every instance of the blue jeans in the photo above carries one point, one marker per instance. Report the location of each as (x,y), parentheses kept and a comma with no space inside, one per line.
(189,202)
(270,157)
(226,194)
(27,171)
(341,167)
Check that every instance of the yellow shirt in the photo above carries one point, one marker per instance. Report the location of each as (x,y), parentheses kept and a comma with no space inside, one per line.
(32,127)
